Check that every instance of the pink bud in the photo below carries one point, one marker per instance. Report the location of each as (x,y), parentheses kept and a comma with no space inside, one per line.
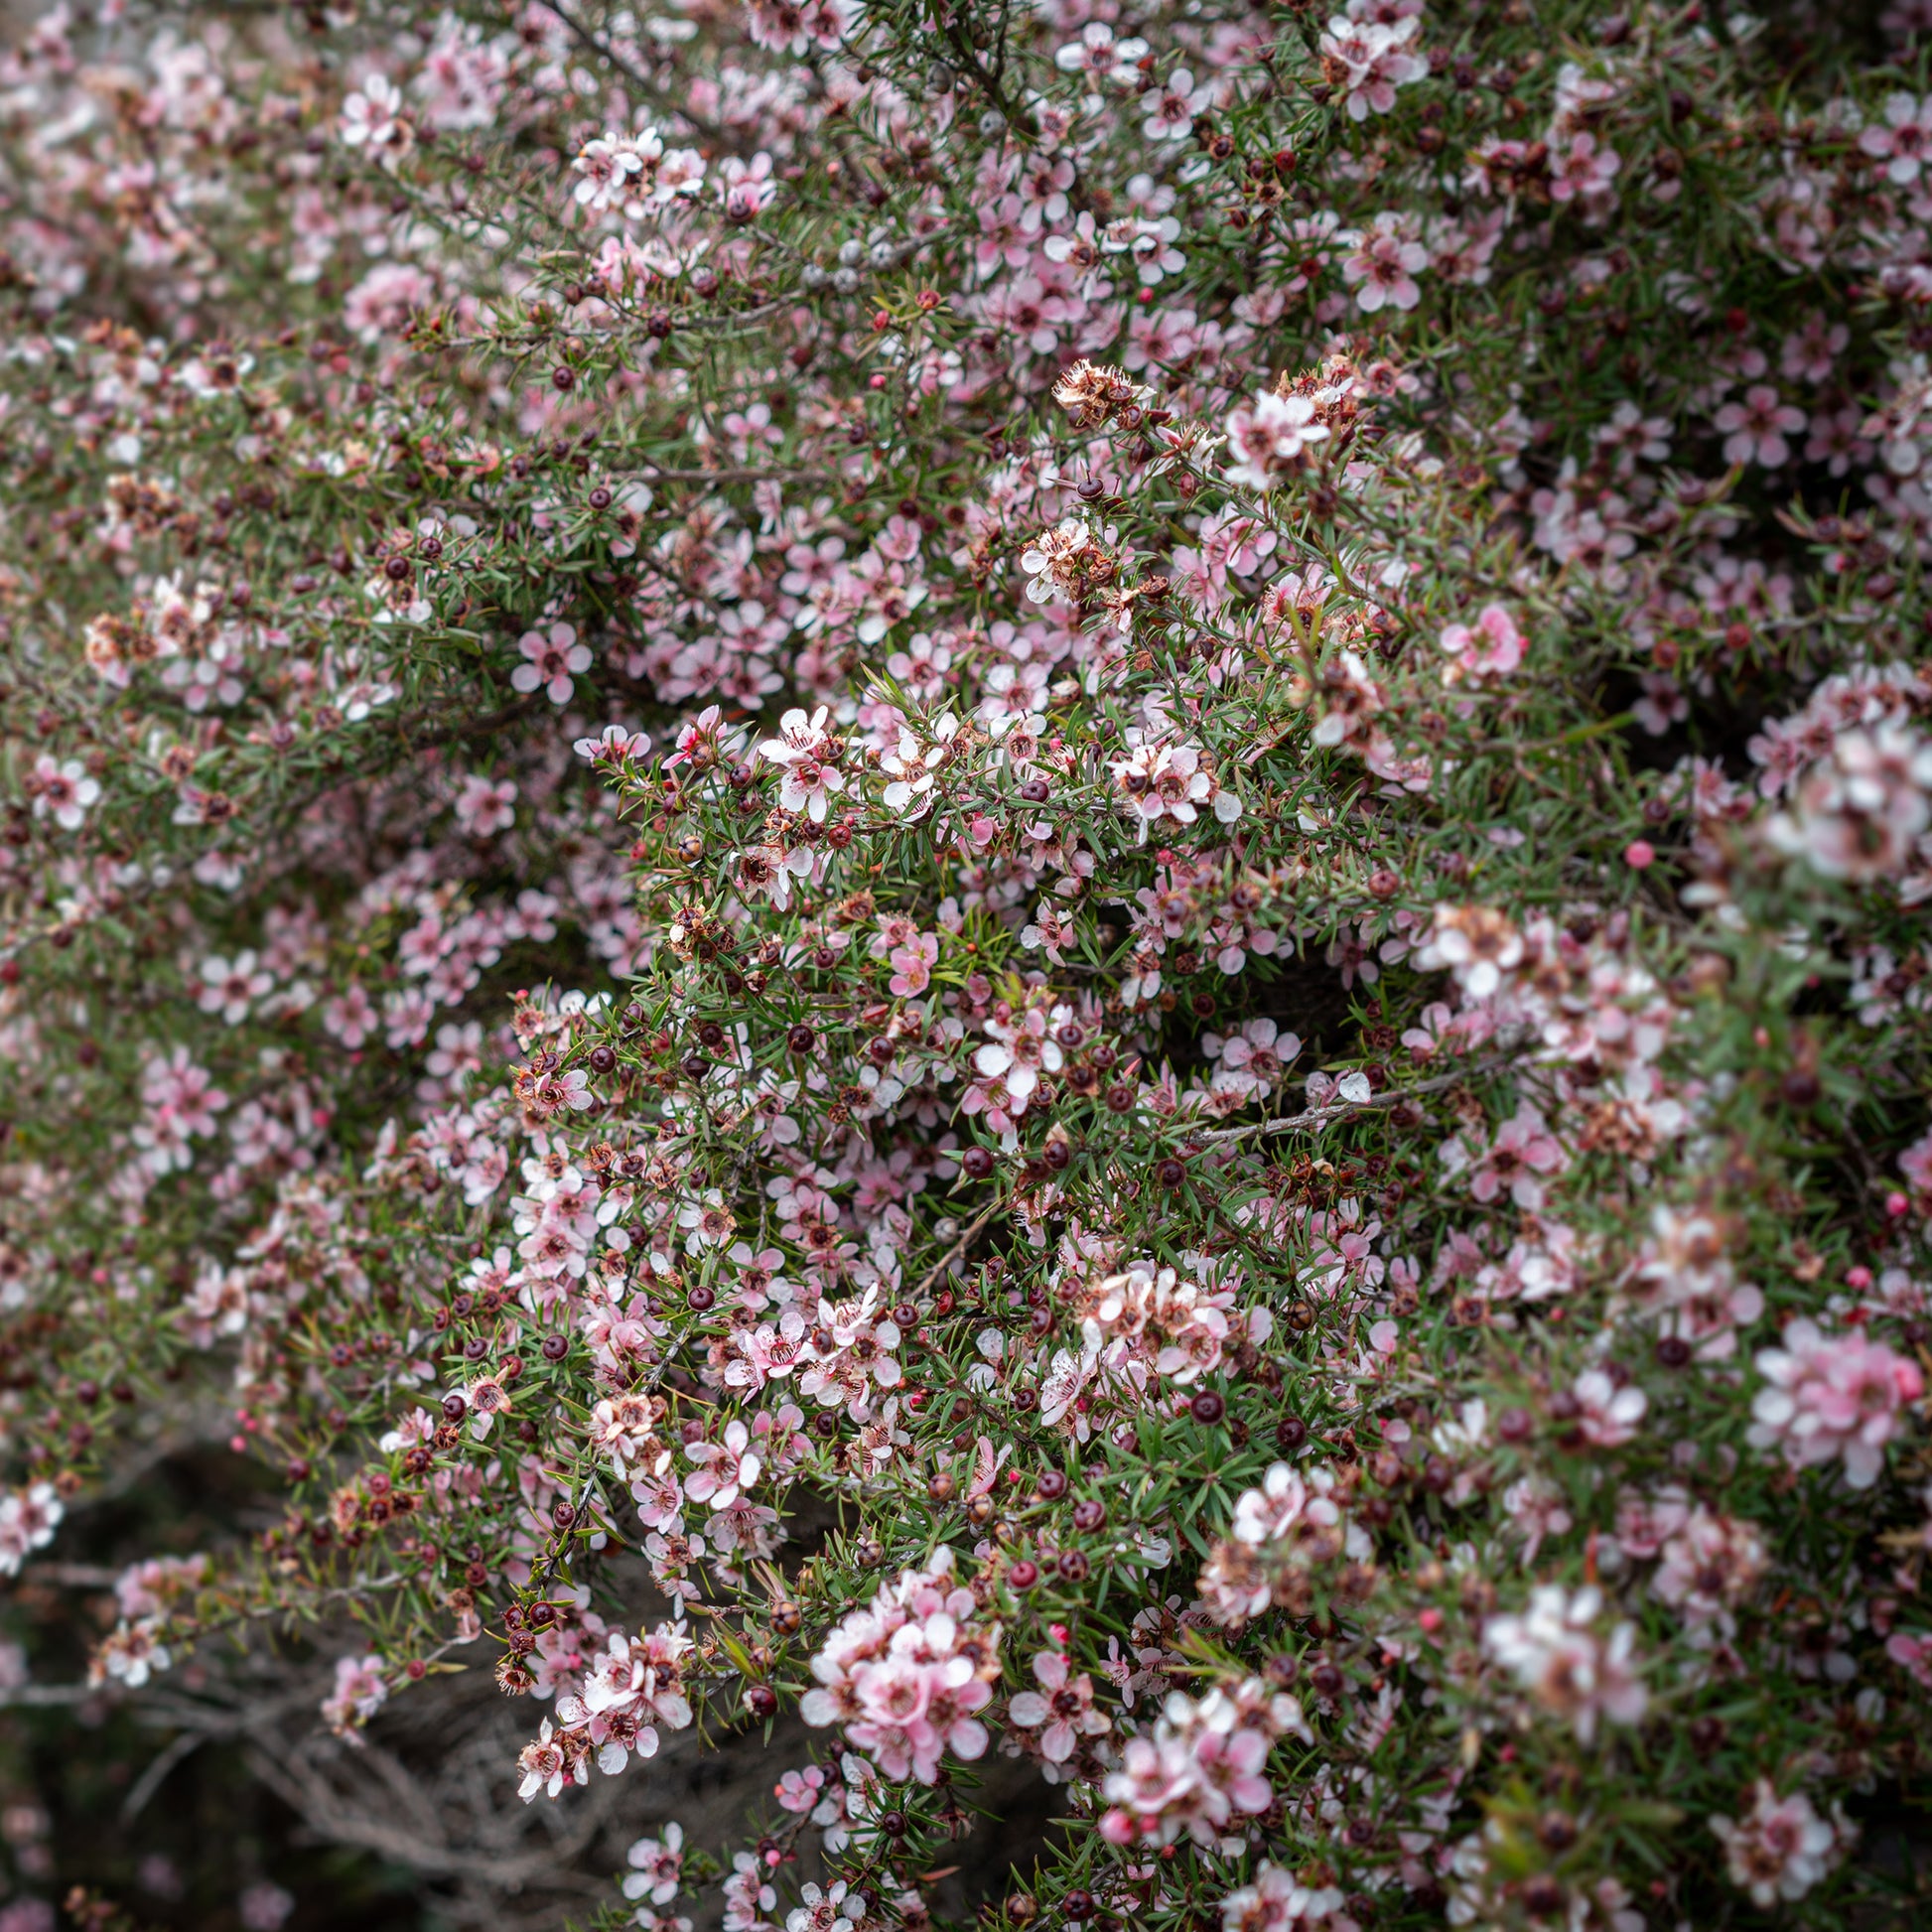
(1639,853)
(1896,1204)
(1858,1279)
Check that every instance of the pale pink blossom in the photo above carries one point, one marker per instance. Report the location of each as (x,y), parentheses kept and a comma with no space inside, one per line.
(552,658)
(1061,1710)
(1781,1848)
(1556,1653)
(1830,1398)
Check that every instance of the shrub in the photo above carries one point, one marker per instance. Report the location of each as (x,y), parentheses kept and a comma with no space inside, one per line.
(1078,850)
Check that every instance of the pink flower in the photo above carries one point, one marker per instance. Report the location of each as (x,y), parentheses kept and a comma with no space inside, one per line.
(1913,1650)
(231,987)
(906,1674)
(1584,172)
(746,188)
(608,168)
(1276,1902)
(1524,1150)
(788,28)
(1018,1051)
(1063,1704)
(1608,1415)
(809,757)
(1754,429)
(799,1791)
(553,657)
(1202,1767)
(64,789)
(485,806)
(1915,1164)
(700,743)
(358,1695)
(1372,58)
(27,1520)
(1781,1848)
(1268,437)
(1252,1061)
(1828,1397)
(657,1867)
(1862,807)
(546,1765)
(350,1017)
(1383,269)
(1171,113)
(726,1469)
(630,1683)
(615,746)
(1169,781)
(1903,140)
(372,116)
(1491,648)
(1712,1564)
(1097,55)
(913,964)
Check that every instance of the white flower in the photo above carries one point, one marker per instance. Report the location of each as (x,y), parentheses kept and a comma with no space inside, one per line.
(1268,437)
(1277,1903)
(709,1221)
(27,1520)
(1098,54)
(63,789)
(765,870)
(912,770)
(613,745)
(608,167)
(1562,1663)
(1167,781)
(808,755)
(231,987)
(372,117)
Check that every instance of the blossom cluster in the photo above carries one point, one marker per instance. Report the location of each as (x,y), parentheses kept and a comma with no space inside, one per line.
(1055,875)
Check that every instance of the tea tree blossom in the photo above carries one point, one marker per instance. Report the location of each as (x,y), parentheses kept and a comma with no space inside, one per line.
(905,1676)
(1557,1656)
(553,658)
(805,753)
(1781,1848)
(1832,1399)
(1061,1711)
(1270,437)
(1275,1903)
(64,790)
(1371,59)
(656,1866)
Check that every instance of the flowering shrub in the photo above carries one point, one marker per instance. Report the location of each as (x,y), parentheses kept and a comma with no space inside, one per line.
(1056,874)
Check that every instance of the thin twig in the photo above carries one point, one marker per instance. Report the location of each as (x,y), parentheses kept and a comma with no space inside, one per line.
(639,80)
(42,1695)
(77,1576)
(1342,1109)
(151,1779)
(959,1247)
(650,473)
